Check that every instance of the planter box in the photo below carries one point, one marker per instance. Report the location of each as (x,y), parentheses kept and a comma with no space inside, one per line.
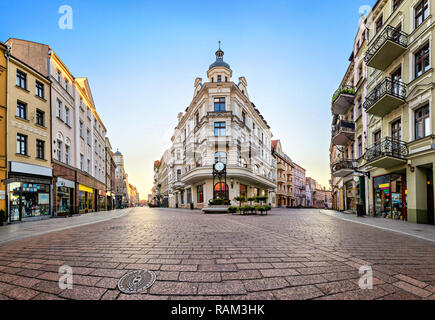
(215,209)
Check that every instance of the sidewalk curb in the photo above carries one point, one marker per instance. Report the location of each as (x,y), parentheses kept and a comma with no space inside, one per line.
(378,227)
(122,214)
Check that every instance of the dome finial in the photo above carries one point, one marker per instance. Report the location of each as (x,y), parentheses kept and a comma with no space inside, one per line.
(219,44)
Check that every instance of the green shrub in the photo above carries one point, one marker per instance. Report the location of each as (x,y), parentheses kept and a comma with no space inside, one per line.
(232,209)
(219,202)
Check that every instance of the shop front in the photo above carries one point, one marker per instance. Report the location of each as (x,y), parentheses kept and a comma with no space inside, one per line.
(65,190)
(29,191)
(350,196)
(101,202)
(390,196)
(86,199)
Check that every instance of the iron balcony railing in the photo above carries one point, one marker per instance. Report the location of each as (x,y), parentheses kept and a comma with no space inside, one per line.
(343,90)
(344,164)
(388,147)
(343,126)
(388,34)
(395,88)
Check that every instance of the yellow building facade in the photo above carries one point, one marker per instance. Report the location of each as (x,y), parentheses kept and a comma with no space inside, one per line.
(3,123)
(400,104)
(29,182)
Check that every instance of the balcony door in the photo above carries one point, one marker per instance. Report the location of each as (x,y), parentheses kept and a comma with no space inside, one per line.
(396,76)
(396,134)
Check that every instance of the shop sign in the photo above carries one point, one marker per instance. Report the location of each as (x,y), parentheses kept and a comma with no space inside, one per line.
(65,183)
(85,189)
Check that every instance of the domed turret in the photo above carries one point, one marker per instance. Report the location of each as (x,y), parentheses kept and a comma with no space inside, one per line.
(219,71)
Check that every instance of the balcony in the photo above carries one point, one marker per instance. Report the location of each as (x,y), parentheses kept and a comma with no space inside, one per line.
(343,133)
(281,166)
(385,97)
(388,46)
(342,100)
(387,153)
(343,168)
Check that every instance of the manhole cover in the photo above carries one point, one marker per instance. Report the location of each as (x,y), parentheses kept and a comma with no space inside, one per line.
(136,281)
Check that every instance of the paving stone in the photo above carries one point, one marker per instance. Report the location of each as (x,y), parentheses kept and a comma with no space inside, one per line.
(265,284)
(298,293)
(200,276)
(83,293)
(222,288)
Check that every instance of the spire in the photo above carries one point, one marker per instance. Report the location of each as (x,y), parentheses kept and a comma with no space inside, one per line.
(219,53)
(219,59)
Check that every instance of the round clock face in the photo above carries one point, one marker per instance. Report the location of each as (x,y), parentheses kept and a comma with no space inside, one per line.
(219,166)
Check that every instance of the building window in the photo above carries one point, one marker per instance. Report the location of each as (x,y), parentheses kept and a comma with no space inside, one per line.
(243,117)
(21,80)
(82,164)
(40,118)
(66,84)
(377,136)
(421,12)
(39,89)
(422,61)
(220,156)
(82,134)
(219,78)
(59,109)
(359,108)
(422,122)
(220,129)
(88,136)
(89,166)
(200,194)
(221,191)
(22,144)
(360,148)
(197,119)
(21,110)
(40,149)
(58,76)
(243,190)
(67,154)
(379,23)
(59,150)
(67,116)
(219,104)
(396,130)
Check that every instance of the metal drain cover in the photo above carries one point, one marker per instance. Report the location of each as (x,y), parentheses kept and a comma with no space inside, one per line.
(136,281)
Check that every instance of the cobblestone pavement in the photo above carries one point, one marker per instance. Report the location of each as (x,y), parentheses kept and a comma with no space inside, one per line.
(289,254)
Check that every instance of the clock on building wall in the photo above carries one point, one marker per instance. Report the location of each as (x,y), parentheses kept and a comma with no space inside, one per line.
(219,167)
(220,186)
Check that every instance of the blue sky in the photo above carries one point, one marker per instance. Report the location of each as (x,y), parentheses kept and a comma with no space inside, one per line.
(142,57)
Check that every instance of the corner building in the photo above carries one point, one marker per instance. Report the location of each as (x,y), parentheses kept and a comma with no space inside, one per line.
(221,125)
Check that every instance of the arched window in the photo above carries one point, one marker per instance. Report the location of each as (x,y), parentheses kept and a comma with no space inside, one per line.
(221,191)
(220,156)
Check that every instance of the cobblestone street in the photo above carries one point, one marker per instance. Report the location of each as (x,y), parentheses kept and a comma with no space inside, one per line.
(289,254)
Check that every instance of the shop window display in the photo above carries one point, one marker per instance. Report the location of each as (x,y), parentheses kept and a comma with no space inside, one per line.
(29,200)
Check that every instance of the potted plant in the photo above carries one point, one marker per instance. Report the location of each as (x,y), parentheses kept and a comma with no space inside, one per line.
(240,199)
(3,217)
(232,210)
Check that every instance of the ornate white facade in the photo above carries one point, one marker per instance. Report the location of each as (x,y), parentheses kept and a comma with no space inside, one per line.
(220,125)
